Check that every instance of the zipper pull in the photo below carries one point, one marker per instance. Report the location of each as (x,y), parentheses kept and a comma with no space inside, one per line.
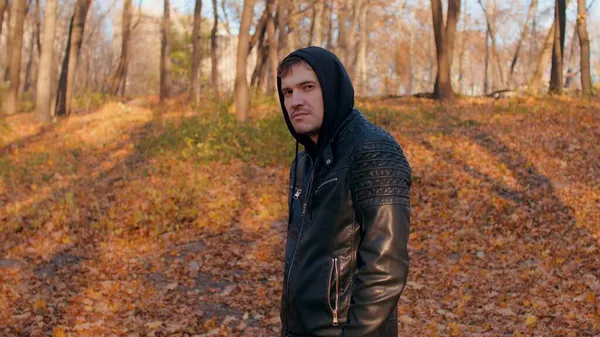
(297,194)
(304,209)
(335,318)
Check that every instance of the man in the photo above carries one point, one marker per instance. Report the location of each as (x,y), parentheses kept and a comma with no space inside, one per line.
(346,260)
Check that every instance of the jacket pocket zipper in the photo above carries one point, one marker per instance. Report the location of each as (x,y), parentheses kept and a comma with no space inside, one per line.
(334,270)
(334,179)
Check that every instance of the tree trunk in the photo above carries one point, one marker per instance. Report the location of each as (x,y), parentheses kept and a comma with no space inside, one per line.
(571,61)
(361,62)
(342,41)
(3,5)
(282,33)
(534,38)
(357,6)
(225,18)
(411,45)
(443,90)
(461,56)
(17,17)
(486,80)
(558,49)
(329,16)
(272,45)
(9,31)
(584,43)
(213,51)
(38,26)
(293,26)
(119,79)
(492,34)
(165,54)
(451,22)
(259,31)
(29,65)
(543,59)
(530,13)
(43,92)
(411,71)
(242,99)
(196,55)
(69,67)
(316,27)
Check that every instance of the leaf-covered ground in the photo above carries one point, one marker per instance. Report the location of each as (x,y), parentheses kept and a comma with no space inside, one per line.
(130,222)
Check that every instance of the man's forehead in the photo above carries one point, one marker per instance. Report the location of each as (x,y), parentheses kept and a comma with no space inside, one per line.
(298,73)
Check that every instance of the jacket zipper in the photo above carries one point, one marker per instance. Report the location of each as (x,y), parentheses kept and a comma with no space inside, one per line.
(334,269)
(310,180)
(334,179)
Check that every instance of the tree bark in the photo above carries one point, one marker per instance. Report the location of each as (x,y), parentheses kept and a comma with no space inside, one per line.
(451,22)
(411,45)
(272,45)
(17,17)
(119,79)
(450,32)
(443,91)
(357,6)
(293,27)
(584,43)
(342,41)
(530,13)
(196,53)
(543,59)
(213,51)
(242,99)
(69,67)
(571,61)
(43,92)
(282,33)
(225,18)
(558,49)
(259,31)
(262,59)
(461,55)
(165,54)
(29,65)
(361,62)
(3,5)
(492,35)
(316,28)
(38,26)
(486,80)
(329,42)
(9,31)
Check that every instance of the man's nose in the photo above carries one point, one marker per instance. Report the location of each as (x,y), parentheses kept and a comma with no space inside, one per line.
(297,99)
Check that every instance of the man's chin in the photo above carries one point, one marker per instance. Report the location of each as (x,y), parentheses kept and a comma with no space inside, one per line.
(309,133)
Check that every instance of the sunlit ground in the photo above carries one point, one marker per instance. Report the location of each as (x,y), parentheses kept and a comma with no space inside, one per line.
(134,221)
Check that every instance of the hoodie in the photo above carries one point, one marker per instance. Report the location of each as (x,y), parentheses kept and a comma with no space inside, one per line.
(338,95)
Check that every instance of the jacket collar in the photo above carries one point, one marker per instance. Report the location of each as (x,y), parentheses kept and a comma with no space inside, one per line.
(327,154)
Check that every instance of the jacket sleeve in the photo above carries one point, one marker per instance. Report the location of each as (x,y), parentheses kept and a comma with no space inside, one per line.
(380,181)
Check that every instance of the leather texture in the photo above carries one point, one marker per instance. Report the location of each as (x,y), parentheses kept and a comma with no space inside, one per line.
(346,261)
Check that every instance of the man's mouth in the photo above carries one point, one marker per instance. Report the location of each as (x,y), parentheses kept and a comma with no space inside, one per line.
(300,114)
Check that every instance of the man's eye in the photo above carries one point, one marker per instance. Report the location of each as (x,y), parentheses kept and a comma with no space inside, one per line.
(308,87)
(287,93)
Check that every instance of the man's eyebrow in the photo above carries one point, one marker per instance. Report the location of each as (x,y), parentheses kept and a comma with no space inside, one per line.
(300,84)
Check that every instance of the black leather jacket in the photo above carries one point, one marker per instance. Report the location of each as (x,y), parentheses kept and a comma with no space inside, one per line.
(346,260)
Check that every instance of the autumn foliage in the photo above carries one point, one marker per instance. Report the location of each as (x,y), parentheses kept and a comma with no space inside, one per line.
(134,221)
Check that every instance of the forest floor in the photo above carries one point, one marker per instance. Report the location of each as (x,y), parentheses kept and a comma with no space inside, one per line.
(128,221)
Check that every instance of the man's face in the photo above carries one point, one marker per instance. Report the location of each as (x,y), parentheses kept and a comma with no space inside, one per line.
(303,100)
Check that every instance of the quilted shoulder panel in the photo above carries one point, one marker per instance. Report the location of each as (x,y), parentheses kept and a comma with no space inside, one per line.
(380,172)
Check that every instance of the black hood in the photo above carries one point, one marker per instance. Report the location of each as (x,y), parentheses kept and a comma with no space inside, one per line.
(338,95)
